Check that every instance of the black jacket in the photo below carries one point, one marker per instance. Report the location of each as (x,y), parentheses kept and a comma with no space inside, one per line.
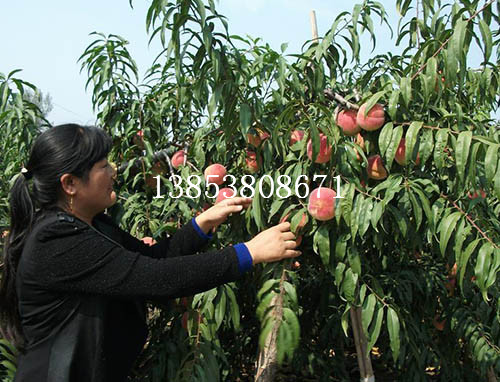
(82,293)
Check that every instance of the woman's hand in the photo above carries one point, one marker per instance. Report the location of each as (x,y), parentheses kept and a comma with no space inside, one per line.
(273,244)
(217,214)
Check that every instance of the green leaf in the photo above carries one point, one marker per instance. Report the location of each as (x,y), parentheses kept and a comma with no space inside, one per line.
(490,162)
(220,308)
(345,319)
(368,311)
(393,104)
(497,181)
(439,152)
(245,118)
(348,289)
(417,210)
(411,140)
(347,202)
(400,220)
(291,318)
(265,331)
(377,212)
(397,134)
(375,328)
(257,211)
(373,100)
(487,39)
(405,86)
(426,145)
(462,152)
(393,328)
(482,268)
(365,216)
(384,139)
(447,227)
(321,244)
(233,307)
(358,206)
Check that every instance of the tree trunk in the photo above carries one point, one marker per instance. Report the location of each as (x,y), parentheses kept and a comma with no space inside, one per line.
(364,360)
(267,364)
(491,375)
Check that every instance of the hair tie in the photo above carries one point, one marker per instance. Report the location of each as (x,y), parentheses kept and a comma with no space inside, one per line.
(27,174)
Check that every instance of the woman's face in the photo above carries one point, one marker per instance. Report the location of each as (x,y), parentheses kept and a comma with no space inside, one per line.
(97,194)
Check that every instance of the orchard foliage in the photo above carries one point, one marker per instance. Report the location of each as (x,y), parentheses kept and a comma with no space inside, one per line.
(383,269)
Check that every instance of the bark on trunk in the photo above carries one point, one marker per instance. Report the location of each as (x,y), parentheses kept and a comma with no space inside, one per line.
(491,375)
(267,364)
(364,360)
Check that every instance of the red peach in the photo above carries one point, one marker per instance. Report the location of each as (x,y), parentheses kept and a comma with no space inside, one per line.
(254,140)
(325,150)
(346,120)
(252,165)
(321,204)
(224,193)
(373,120)
(263,135)
(217,172)
(178,159)
(400,156)
(296,136)
(439,325)
(375,168)
(139,139)
(476,195)
(361,142)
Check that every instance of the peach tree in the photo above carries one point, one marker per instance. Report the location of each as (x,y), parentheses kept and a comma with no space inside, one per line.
(404,271)
(398,276)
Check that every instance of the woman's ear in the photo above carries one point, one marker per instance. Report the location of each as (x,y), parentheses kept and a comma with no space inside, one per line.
(68,184)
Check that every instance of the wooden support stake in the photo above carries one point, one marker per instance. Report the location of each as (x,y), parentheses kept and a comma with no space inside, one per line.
(314,26)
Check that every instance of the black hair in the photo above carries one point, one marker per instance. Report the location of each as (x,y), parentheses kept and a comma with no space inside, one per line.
(64,149)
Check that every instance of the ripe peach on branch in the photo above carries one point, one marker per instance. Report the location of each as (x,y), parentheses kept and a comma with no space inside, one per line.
(375,168)
(325,150)
(347,121)
(400,156)
(374,118)
(215,173)
(251,162)
(178,159)
(321,204)
(296,136)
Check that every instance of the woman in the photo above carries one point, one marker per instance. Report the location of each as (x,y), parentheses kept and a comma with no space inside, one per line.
(74,285)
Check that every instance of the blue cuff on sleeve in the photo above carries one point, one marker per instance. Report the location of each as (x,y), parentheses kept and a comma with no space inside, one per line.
(244,258)
(200,232)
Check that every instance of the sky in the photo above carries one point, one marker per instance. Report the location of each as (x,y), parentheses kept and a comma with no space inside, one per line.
(46,38)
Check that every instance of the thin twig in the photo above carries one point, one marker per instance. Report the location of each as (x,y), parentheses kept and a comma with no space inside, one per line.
(449,38)
(483,234)
(337,97)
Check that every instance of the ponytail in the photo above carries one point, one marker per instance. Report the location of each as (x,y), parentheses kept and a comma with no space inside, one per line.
(64,149)
(21,216)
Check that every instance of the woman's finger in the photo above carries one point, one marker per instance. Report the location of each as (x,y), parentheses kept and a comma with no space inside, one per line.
(292,253)
(290,244)
(238,200)
(283,227)
(288,235)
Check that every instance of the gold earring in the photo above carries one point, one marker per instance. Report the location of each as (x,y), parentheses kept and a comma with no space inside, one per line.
(71,203)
